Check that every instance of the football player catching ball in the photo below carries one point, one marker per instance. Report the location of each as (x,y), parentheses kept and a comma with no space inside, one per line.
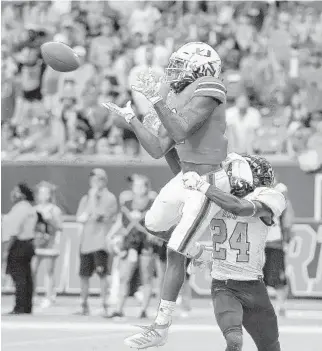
(189,111)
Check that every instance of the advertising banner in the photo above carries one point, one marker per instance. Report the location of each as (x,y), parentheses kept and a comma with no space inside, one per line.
(304,263)
(304,258)
(305,190)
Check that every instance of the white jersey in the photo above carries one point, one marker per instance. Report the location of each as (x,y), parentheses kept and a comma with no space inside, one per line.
(239,242)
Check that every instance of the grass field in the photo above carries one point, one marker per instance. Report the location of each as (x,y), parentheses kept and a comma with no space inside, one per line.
(57,328)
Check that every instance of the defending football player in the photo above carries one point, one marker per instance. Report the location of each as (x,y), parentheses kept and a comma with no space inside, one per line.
(239,233)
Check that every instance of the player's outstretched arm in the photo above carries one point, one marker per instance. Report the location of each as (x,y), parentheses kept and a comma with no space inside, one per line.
(237,206)
(208,95)
(156,146)
(189,120)
(265,206)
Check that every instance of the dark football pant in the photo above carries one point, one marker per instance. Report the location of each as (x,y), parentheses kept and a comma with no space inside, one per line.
(245,303)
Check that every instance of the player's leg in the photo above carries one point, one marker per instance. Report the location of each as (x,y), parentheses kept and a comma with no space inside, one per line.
(275,277)
(165,211)
(146,273)
(101,268)
(186,293)
(229,314)
(197,213)
(127,268)
(86,270)
(260,319)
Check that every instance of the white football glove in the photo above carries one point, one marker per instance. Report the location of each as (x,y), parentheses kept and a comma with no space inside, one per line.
(193,181)
(125,112)
(149,86)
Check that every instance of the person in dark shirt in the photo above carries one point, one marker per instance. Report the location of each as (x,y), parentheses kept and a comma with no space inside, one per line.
(18,231)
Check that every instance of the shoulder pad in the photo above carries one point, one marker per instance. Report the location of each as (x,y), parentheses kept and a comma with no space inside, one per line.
(125,196)
(270,197)
(212,87)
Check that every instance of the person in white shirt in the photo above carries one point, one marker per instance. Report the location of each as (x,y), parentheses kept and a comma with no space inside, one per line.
(242,122)
(144,18)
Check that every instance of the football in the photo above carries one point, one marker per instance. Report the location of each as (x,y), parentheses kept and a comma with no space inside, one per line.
(60,57)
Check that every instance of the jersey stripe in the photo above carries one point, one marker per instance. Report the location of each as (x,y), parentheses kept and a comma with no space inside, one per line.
(211,88)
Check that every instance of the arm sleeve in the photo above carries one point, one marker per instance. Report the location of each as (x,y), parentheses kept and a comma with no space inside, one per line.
(271,198)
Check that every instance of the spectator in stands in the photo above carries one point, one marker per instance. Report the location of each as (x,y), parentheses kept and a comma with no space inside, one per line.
(31,68)
(18,231)
(48,242)
(111,142)
(137,247)
(278,238)
(78,133)
(97,212)
(144,18)
(242,123)
(8,93)
(103,46)
(262,50)
(78,78)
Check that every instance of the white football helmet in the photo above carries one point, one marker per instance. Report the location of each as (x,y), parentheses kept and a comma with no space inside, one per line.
(190,62)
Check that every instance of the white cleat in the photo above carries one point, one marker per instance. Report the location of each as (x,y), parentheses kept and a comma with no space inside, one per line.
(151,336)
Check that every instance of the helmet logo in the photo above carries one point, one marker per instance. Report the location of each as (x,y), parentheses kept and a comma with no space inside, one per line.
(203,52)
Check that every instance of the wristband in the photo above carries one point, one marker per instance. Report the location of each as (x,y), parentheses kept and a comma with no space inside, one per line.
(129,116)
(156,99)
(204,187)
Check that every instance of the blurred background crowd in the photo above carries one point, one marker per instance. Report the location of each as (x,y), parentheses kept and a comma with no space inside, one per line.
(271,56)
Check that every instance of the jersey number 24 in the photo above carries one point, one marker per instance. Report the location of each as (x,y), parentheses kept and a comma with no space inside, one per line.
(238,240)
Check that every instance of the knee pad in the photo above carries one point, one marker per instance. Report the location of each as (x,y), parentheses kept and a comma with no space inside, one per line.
(234,340)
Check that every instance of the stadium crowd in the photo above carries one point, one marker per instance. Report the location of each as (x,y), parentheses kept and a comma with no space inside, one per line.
(271,53)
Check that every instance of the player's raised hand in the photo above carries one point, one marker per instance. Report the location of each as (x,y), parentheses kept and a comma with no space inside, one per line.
(125,112)
(149,86)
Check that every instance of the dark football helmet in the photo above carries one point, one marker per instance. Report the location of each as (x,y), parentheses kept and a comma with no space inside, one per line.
(263,173)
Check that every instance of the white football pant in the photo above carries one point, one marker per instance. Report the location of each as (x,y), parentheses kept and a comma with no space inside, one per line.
(190,210)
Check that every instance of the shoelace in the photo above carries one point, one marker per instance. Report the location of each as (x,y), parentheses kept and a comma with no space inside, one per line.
(149,331)
(145,337)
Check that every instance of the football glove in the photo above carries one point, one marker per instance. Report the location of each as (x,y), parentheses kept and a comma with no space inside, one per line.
(149,86)
(193,181)
(125,112)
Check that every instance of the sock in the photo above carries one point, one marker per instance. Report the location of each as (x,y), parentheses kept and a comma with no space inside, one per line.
(166,308)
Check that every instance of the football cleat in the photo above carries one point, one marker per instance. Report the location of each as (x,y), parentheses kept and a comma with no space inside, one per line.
(151,336)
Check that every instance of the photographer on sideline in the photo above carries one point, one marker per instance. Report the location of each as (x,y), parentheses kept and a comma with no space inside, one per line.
(97,211)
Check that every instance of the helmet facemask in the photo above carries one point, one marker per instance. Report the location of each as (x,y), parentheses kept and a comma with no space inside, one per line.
(178,75)
(191,61)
